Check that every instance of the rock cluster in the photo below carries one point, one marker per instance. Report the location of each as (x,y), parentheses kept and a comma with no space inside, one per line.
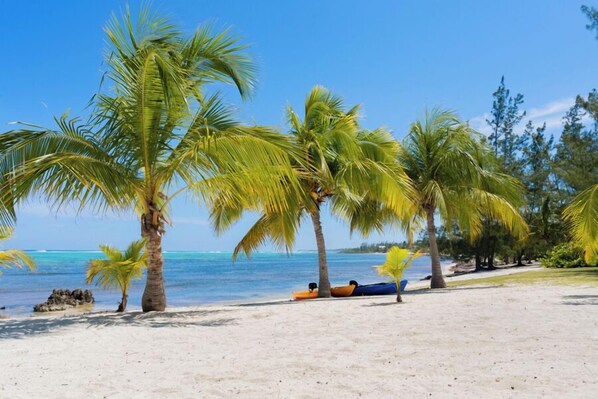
(65,299)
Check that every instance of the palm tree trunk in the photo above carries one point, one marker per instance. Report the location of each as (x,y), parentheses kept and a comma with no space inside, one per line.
(437,280)
(324,283)
(399,299)
(123,303)
(153,298)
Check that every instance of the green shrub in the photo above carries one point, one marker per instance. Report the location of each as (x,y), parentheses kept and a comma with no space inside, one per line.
(567,255)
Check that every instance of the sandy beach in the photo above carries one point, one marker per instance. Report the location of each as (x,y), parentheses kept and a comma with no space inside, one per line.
(513,341)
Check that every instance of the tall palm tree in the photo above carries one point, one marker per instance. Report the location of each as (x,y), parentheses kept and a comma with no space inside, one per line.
(119,269)
(154,135)
(353,170)
(456,179)
(582,214)
(13,257)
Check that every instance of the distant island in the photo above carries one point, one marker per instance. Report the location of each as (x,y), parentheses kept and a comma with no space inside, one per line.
(380,247)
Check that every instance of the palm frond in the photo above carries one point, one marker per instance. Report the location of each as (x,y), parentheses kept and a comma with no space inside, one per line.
(120,268)
(582,215)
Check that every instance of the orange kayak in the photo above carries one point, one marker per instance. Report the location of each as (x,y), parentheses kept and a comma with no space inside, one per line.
(346,290)
(299,295)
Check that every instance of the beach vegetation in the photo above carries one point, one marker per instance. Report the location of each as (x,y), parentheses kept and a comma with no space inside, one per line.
(119,269)
(397,260)
(552,276)
(564,255)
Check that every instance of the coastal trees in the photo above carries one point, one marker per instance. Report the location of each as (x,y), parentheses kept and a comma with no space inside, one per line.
(119,269)
(337,163)
(13,257)
(455,174)
(154,133)
(505,116)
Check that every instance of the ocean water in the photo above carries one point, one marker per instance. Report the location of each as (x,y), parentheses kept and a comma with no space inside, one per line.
(193,278)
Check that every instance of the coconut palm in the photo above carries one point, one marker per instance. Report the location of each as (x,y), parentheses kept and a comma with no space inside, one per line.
(456,179)
(119,269)
(353,170)
(154,134)
(13,257)
(397,260)
(582,214)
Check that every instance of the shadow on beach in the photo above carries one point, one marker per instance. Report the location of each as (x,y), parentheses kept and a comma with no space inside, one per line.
(22,328)
(580,300)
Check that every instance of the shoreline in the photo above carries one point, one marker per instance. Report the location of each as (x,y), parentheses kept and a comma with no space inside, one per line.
(415,285)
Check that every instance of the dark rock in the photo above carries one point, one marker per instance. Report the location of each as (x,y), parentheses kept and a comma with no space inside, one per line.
(428,277)
(65,299)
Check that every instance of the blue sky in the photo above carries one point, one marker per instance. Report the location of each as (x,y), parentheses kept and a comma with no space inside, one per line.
(393,57)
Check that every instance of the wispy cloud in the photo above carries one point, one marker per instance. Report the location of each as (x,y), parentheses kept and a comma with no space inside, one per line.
(41,209)
(191,220)
(551,113)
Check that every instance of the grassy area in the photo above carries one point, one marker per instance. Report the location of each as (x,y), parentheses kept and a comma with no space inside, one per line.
(582,275)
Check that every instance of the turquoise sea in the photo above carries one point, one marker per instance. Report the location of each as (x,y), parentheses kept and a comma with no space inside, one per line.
(193,278)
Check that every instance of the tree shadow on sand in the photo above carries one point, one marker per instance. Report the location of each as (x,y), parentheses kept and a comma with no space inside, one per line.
(580,300)
(22,328)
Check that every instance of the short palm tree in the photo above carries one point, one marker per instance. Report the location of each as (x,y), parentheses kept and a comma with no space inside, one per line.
(397,260)
(13,257)
(153,135)
(119,269)
(582,214)
(353,170)
(456,178)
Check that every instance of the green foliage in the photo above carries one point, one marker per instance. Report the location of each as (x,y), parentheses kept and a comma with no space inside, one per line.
(337,162)
(13,257)
(455,173)
(592,15)
(566,255)
(383,246)
(505,116)
(397,260)
(576,158)
(582,214)
(119,269)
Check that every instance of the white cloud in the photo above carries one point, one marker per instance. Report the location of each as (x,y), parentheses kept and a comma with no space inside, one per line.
(555,108)
(479,123)
(551,113)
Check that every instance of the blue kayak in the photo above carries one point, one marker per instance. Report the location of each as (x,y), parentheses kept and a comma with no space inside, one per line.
(378,289)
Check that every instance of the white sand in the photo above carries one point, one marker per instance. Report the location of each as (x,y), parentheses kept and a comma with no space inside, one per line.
(479,342)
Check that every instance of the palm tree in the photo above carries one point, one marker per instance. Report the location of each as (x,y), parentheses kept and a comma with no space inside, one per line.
(13,257)
(582,214)
(154,135)
(119,269)
(456,178)
(397,260)
(353,170)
